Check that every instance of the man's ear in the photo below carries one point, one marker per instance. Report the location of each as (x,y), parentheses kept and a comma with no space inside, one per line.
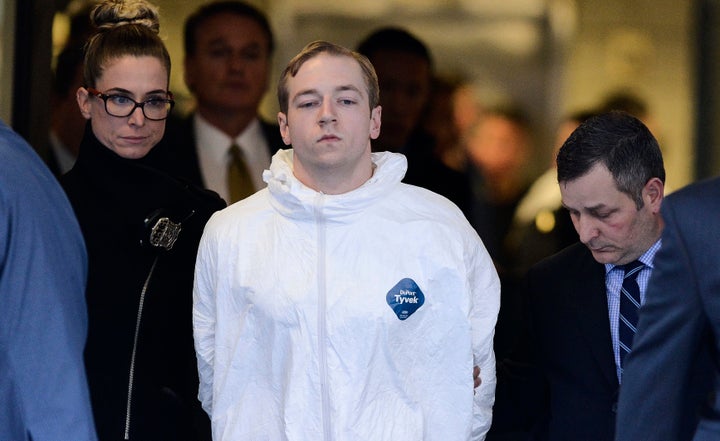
(653,194)
(83,99)
(375,115)
(284,130)
(189,74)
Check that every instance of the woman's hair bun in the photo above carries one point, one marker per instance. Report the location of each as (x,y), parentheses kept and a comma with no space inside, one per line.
(111,13)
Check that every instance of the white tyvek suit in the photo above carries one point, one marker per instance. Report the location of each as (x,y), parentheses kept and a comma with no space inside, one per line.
(344,317)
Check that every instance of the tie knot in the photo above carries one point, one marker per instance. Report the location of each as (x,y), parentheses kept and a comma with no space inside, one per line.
(234,151)
(632,269)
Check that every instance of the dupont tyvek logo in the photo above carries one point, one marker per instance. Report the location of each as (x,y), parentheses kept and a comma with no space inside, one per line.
(405,298)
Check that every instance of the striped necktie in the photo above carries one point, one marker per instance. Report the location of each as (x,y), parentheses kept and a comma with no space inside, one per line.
(240,184)
(629,305)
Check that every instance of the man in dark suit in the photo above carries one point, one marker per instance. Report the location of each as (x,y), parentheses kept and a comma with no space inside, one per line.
(679,324)
(67,124)
(228,55)
(611,177)
(404,68)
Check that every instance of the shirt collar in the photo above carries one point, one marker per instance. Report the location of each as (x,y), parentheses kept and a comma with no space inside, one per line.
(646,258)
(213,141)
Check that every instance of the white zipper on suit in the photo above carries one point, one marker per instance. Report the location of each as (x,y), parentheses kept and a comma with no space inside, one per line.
(321,315)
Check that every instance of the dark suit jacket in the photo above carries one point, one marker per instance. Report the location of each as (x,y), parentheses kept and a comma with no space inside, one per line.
(571,340)
(180,141)
(51,161)
(426,169)
(679,327)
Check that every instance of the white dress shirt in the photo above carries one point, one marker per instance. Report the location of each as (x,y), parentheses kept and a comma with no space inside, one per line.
(212,150)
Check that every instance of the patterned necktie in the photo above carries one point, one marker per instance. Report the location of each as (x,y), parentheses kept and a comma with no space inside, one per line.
(240,184)
(629,304)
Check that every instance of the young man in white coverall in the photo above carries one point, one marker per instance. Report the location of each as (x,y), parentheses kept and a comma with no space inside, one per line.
(339,303)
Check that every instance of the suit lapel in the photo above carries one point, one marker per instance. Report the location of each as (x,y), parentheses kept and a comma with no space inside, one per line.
(272,136)
(589,299)
(191,152)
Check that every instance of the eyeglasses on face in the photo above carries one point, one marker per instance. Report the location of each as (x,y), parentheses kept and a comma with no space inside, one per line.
(154,109)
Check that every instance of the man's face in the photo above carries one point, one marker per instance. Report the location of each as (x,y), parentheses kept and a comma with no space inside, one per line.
(329,122)
(498,146)
(404,89)
(230,67)
(607,220)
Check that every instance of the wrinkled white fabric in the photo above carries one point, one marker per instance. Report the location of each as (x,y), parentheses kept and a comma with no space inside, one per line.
(294,330)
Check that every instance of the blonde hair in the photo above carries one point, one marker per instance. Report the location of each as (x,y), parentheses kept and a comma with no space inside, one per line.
(123,27)
(319,47)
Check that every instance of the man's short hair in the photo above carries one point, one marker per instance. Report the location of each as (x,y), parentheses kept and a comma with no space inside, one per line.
(620,142)
(316,48)
(205,12)
(69,64)
(625,101)
(394,39)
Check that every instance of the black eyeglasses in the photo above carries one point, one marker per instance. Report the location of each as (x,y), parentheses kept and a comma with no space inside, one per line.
(154,109)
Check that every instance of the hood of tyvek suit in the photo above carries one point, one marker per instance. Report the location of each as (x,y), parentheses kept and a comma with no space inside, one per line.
(293,199)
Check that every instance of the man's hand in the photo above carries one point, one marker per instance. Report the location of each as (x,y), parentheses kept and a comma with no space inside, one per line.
(476,376)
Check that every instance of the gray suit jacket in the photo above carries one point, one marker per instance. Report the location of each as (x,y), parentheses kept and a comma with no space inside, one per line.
(675,351)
